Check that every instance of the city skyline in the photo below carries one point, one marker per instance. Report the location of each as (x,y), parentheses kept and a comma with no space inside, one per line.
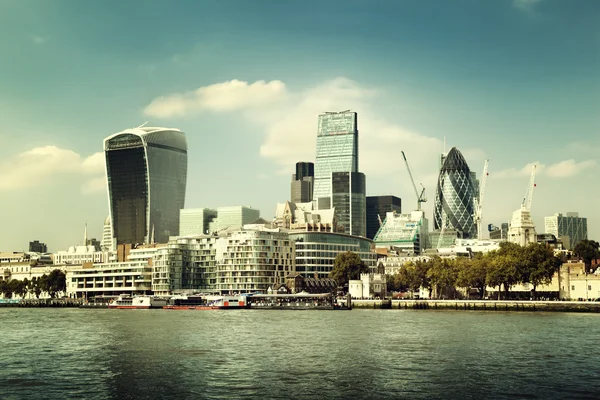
(513,81)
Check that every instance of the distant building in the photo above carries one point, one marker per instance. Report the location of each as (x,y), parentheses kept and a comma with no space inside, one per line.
(570,226)
(337,151)
(304,217)
(498,233)
(370,285)
(407,233)
(378,207)
(195,221)
(38,247)
(453,207)
(233,218)
(146,170)
(348,198)
(302,185)
(106,244)
(316,251)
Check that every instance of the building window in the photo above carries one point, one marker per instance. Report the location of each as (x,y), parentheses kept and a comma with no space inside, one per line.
(589,287)
(572,287)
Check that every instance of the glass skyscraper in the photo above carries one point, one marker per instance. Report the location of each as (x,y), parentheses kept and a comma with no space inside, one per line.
(337,151)
(453,207)
(349,200)
(146,169)
(571,225)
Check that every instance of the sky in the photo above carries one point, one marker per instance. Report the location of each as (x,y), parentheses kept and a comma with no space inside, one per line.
(513,81)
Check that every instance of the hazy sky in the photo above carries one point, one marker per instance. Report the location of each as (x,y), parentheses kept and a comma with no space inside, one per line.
(517,82)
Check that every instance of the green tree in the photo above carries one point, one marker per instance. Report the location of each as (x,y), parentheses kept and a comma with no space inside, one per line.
(442,275)
(472,273)
(347,266)
(56,282)
(587,250)
(540,265)
(409,278)
(422,273)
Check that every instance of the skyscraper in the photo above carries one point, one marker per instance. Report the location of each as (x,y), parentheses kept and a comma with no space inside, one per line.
(337,151)
(380,206)
(146,169)
(38,247)
(453,207)
(301,188)
(349,201)
(572,226)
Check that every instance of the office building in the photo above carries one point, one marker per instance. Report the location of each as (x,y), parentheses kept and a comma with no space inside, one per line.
(38,247)
(377,208)
(453,207)
(195,221)
(405,233)
(337,151)
(570,226)
(348,199)
(233,218)
(316,251)
(106,244)
(146,170)
(301,190)
(498,233)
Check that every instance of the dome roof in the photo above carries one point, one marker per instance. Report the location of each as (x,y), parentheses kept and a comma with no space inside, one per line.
(455,161)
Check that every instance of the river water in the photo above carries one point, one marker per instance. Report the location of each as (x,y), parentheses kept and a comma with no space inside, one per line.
(254,354)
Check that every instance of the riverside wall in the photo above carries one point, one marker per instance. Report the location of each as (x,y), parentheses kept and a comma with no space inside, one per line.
(480,305)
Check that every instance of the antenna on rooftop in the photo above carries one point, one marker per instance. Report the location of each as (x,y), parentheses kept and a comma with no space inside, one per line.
(142,125)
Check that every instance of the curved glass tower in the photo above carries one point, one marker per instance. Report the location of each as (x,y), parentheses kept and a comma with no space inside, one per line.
(146,170)
(453,207)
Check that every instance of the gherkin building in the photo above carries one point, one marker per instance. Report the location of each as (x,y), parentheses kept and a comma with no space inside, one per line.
(453,208)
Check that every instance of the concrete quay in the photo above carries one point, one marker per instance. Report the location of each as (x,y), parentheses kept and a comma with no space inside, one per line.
(480,305)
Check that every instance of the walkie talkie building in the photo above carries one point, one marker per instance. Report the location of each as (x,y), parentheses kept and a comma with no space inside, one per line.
(453,208)
(146,170)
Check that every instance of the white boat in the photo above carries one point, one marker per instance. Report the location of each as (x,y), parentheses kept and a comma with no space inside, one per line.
(138,302)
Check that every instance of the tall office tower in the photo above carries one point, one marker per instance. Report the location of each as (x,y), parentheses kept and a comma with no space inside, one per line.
(38,247)
(302,183)
(380,206)
(195,221)
(146,170)
(233,218)
(572,226)
(349,201)
(106,244)
(453,207)
(337,151)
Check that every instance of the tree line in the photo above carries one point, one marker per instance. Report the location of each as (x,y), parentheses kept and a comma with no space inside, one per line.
(504,268)
(54,283)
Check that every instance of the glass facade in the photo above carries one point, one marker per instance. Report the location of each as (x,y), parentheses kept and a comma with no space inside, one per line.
(146,170)
(195,221)
(453,207)
(337,149)
(572,226)
(316,251)
(380,206)
(349,200)
(234,217)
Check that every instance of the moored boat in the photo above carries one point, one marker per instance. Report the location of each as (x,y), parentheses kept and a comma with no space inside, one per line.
(205,302)
(137,302)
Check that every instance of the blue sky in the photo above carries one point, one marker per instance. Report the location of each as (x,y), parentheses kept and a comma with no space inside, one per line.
(517,82)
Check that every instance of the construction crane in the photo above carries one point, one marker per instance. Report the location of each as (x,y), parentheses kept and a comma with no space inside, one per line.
(478,201)
(529,194)
(420,197)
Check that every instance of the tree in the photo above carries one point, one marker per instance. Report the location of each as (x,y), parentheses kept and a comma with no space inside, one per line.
(408,277)
(540,265)
(442,275)
(472,273)
(56,282)
(587,250)
(421,269)
(347,266)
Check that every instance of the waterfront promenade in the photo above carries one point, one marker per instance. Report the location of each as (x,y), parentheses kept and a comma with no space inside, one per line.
(481,305)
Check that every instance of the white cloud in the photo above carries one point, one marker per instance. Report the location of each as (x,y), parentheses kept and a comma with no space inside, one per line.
(226,96)
(526,5)
(515,172)
(569,168)
(39,39)
(45,165)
